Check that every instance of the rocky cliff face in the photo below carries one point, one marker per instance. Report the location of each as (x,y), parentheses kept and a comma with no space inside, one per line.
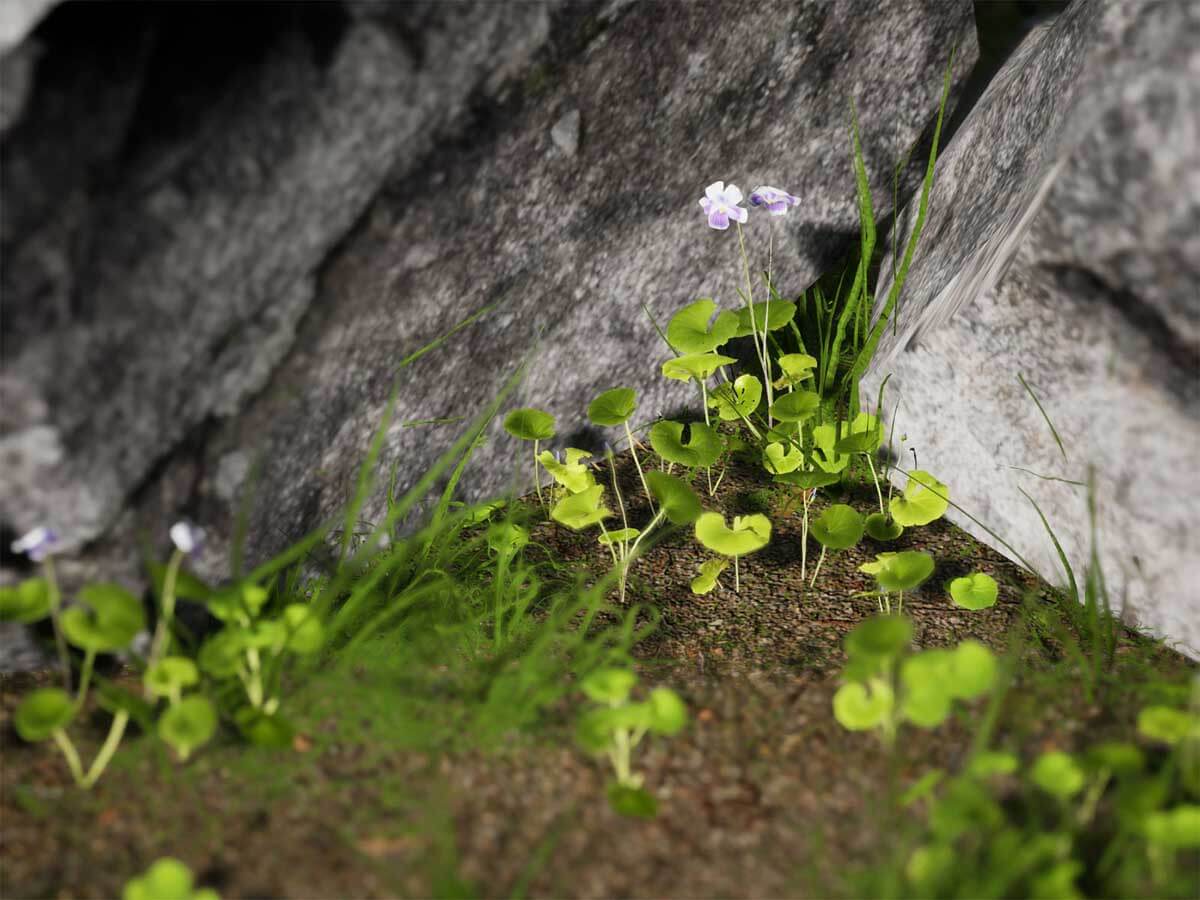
(1063,246)
(223,231)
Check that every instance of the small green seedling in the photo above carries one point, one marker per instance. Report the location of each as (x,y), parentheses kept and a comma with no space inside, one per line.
(975,591)
(924,500)
(167,879)
(27,602)
(897,573)
(188,724)
(613,408)
(1058,774)
(703,448)
(882,527)
(531,425)
(573,474)
(709,574)
(698,366)
(617,726)
(808,483)
(796,406)
(748,534)
(578,511)
(169,676)
(796,368)
(839,527)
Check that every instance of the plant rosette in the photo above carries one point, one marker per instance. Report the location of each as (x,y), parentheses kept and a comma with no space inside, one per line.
(617,725)
(747,535)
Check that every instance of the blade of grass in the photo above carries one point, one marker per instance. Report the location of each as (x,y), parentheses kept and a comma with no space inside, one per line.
(1041,409)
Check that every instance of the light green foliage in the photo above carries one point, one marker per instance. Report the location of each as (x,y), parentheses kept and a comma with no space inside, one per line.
(748,533)
(1176,828)
(170,675)
(26,603)
(807,480)
(43,712)
(863,435)
(797,406)
(609,686)
(1058,773)
(879,638)
(617,536)
(572,474)
(613,407)
(107,618)
(796,367)
(188,724)
(738,400)
(709,572)
(1167,725)
(578,511)
(676,500)
(703,446)
(900,571)
(780,459)
(694,365)
(780,313)
(529,424)
(990,763)
(924,500)
(856,709)
(689,332)
(167,879)
(882,527)
(975,591)
(305,632)
(839,527)
(825,437)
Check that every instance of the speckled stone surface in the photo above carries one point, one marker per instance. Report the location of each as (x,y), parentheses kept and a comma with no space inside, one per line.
(1064,244)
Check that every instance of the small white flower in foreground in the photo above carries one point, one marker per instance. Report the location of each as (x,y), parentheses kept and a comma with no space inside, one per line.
(36,544)
(775,200)
(186,537)
(720,204)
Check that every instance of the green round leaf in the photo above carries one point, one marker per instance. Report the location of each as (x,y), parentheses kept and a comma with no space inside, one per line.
(506,537)
(839,527)
(578,511)
(796,406)
(26,603)
(737,400)
(928,866)
(796,367)
(107,618)
(695,365)
(703,446)
(808,480)
(573,474)
(632,802)
(668,714)
(924,500)
(688,330)
(1058,774)
(221,654)
(170,675)
(1167,725)
(167,879)
(188,724)
(268,634)
(264,731)
(611,686)
(926,700)
(972,670)
(612,407)
(975,591)
(882,528)
(43,712)
(306,634)
(1116,757)
(116,699)
(864,436)
(749,533)
(1174,828)
(879,637)
(824,436)
(618,536)
(779,313)
(592,731)
(678,502)
(899,571)
(992,762)
(255,598)
(781,459)
(857,710)
(707,579)
(529,424)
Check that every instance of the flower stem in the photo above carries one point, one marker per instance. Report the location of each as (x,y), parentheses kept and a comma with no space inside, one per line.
(636,462)
(72,756)
(817,570)
(878,492)
(537,478)
(100,763)
(168,607)
(55,598)
(85,675)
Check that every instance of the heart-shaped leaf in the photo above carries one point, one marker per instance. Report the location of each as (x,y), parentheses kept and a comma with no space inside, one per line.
(798,406)
(668,714)
(306,634)
(1058,774)
(975,591)
(899,571)
(506,537)
(825,436)
(609,686)
(26,603)
(808,480)
(677,501)
(221,654)
(703,446)
(781,459)
(879,637)
(529,424)
(926,700)
(187,585)
(695,365)
(707,579)
(107,618)
(882,527)
(43,712)
(632,802)
(972,670)
(924,500)
(188,724)
(737,400)
(780,313)
(688,330)
(857,710)
(839,527)
(170,675)
(797,367)
(749,533)
(612,407)
(618,536)
(578,511)
(572,474)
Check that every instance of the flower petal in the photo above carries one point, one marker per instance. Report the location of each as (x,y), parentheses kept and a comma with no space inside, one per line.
(733,194)
(738,214)
(715,190)
(718,219)
(706,205)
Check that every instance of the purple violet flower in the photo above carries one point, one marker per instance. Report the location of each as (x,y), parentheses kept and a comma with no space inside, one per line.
(775,200)
(186,537)
(720,204)
(36,544)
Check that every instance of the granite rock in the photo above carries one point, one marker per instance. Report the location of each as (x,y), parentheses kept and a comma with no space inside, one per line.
(1064,246)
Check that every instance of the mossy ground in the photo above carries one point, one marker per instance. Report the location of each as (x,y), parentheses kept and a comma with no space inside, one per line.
(385,794)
